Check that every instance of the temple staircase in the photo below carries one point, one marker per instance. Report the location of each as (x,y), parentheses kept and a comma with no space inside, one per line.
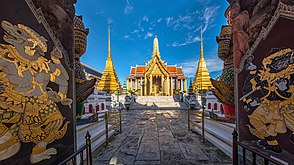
(158,103)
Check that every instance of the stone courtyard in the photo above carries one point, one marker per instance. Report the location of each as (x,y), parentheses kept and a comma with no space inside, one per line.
(158,137)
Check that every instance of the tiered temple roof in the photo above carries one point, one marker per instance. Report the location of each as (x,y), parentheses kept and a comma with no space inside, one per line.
(173,70)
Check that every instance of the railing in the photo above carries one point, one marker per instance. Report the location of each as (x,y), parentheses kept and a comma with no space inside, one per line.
(264,159)
(112,118)
(73,157)
(195,121)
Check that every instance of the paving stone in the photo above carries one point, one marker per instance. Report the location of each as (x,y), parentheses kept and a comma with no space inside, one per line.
(216,155)
(158,137)
(131,142)
(122,158)
(140,162)
(148,151)
(108,152)
(191,151)
(137,132)
(172,157)
(165,133)
(150,137)
(168,144)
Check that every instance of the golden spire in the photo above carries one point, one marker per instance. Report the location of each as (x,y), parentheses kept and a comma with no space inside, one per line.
(109,50)
(201,44)
(109,80)
(202,78)
(155,46)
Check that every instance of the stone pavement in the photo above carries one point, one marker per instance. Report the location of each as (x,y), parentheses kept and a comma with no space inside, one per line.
(158,137)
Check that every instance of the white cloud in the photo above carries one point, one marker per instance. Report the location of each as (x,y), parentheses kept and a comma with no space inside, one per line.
(209,17)
(188,21)
(188,41)
(127,37)
(190,67)
(110,20)
(145,18)
(148,35)
(169,21)
(129,8)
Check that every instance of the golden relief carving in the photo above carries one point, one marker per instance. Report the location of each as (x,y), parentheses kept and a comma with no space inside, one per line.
(274,112)
(28,109)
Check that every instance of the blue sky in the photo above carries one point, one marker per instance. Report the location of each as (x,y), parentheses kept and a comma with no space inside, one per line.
(134,23)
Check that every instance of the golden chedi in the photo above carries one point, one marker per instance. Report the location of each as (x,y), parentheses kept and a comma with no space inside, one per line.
(202,78)
(109,81)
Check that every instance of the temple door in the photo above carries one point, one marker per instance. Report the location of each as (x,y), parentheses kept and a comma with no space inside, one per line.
(97,108)
(90,108)
(209,106)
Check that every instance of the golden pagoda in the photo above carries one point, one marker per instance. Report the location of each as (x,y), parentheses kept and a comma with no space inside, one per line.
(109,81)
(202,79)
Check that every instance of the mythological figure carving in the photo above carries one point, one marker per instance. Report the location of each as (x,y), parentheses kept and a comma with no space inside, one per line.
(28,109)
(272,113)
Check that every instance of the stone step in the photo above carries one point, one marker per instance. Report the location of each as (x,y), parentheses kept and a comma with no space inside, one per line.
(218,133)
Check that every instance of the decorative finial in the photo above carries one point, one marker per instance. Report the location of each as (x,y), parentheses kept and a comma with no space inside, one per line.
(155,46)
(109,50)
(201,43)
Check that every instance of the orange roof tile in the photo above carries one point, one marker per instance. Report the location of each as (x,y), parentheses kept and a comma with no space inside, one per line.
(171,69)
(133,70)
(179,70)
(141,69)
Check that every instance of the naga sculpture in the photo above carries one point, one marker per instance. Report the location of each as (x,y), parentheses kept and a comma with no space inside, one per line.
(28,109)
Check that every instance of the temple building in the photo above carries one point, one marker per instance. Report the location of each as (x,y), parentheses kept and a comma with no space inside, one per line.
(109,81)
(156,78)
(202,79)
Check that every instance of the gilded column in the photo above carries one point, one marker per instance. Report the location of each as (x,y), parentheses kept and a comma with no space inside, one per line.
(185,85)
(136,84)
(141,86)
(167,85)
(145,85)
(162,90)
(129,84)
(151,84)
(171,86)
